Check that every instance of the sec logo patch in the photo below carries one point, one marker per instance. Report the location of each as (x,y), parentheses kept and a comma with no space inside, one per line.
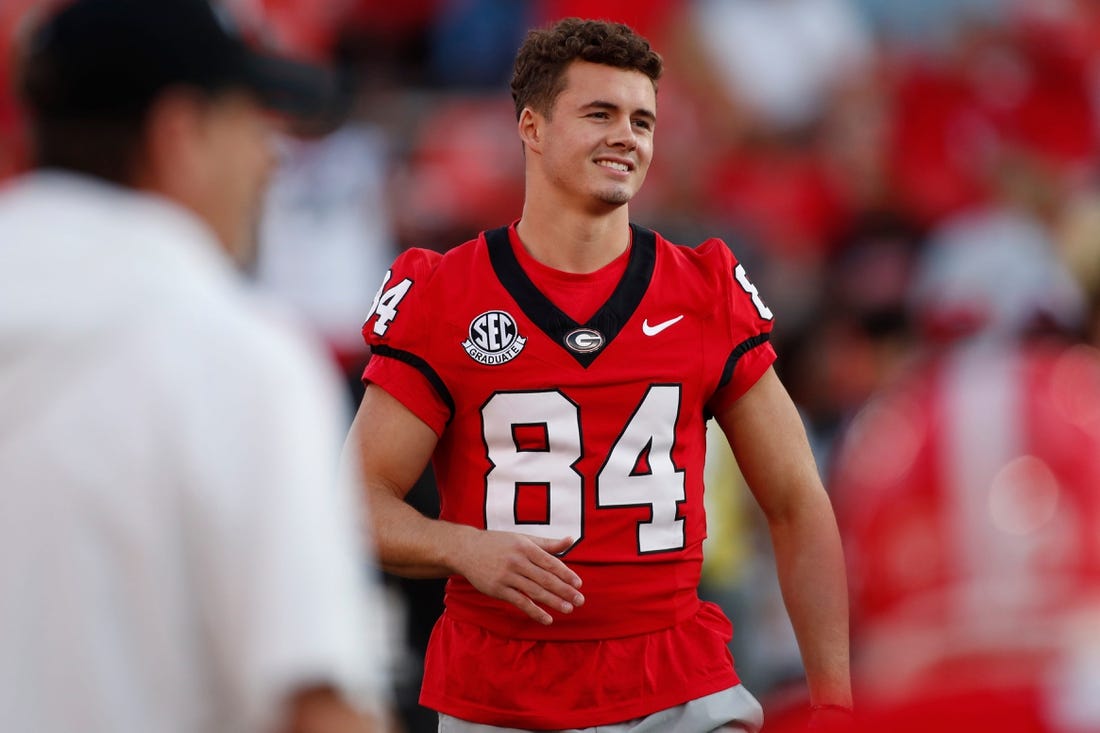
(493,338)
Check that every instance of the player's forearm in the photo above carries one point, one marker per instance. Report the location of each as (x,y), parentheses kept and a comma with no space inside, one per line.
(410,544)
(811,569)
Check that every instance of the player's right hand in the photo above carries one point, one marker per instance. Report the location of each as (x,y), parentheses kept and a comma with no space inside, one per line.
(523,571)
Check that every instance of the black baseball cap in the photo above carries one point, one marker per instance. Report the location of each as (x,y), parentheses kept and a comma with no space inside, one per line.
(98,58)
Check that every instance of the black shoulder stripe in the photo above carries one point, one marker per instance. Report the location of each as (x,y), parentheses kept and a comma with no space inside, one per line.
(421,366)
(740,350)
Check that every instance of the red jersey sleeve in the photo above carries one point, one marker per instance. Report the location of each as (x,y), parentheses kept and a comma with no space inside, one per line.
(747,323)
(397,329)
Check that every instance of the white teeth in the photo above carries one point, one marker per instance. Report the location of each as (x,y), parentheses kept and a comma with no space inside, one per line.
(613,165)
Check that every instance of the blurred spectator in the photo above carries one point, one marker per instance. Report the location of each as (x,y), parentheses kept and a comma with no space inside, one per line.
(179,552)
(967,496)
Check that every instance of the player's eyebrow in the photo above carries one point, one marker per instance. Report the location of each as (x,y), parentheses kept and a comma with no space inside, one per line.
(612,107)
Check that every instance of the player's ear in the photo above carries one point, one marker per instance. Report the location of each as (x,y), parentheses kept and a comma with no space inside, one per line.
(530,128)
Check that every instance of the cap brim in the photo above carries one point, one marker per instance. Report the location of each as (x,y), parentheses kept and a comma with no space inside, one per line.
(297,89)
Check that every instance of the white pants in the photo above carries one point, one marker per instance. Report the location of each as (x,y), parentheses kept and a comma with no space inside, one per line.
(728,711)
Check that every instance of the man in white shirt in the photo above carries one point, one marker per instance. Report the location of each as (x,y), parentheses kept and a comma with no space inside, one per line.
(177,551)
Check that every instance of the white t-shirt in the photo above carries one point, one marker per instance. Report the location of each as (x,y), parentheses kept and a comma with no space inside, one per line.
(176,551)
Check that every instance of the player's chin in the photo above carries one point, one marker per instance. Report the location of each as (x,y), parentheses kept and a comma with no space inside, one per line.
(616,196)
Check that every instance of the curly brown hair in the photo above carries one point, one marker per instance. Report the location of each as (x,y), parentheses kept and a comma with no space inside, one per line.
(539,73)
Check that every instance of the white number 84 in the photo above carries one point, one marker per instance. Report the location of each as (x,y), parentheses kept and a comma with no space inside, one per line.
(650,433)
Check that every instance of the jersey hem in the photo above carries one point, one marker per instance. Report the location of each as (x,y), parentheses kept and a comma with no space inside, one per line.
(576,719)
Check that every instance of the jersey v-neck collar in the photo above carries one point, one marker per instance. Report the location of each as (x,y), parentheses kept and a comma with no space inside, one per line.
(607,321)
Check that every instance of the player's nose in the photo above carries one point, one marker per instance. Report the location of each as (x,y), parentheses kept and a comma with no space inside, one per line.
(622,135)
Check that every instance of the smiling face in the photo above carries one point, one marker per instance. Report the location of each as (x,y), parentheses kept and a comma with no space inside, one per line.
(595,144)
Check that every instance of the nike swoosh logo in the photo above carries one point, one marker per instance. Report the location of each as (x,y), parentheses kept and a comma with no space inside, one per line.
(656,328)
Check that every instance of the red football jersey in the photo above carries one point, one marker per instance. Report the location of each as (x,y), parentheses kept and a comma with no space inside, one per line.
(594,431)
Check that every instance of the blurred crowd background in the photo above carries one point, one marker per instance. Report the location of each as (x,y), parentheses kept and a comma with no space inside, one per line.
(915,189)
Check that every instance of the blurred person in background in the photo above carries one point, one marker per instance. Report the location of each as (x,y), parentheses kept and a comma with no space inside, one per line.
(967,493)
(567,434)
(178,550)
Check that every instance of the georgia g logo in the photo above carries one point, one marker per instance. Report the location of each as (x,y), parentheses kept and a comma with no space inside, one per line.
(584,340)
(493,339)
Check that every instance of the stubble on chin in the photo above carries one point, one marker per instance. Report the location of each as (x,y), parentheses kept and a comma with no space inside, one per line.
(615,197)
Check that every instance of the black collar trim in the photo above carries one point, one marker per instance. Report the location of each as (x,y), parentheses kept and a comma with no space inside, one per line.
(608,320)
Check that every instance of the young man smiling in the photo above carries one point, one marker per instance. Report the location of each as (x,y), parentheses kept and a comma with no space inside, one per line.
(562,401)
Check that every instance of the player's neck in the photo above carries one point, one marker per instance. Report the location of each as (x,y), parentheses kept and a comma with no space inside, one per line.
(574,242)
